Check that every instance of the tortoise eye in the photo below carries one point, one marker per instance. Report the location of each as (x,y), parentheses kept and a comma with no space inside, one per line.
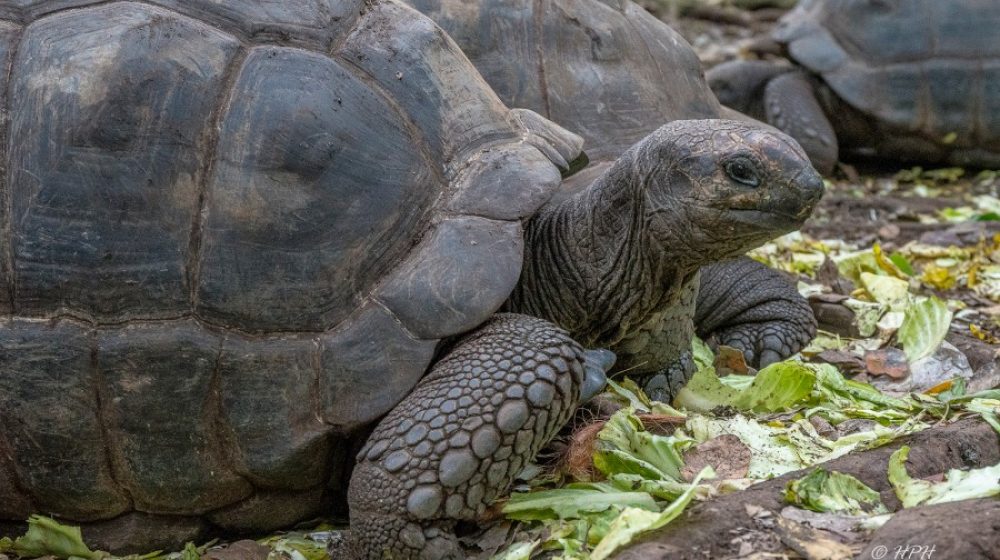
(743,171)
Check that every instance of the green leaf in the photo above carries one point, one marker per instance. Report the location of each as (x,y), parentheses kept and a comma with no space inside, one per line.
(909,491)
(46,536)
(704,392)
(947,174)
(988,408)
(624,446)
(632,522)
(297,546)
(924,327)
(702,354)
(866,314)
(991,394)
(901,262)
(518,551)
(851,265)
(832,384)
(568,537)
(958,485)
(910,175)
(887,290)
(956,391)
(661,489)
(780,386)
(191,552)
(833,492)
(573,502)
(629,392)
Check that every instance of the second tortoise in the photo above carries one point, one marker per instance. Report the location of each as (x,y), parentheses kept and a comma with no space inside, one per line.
(911,80)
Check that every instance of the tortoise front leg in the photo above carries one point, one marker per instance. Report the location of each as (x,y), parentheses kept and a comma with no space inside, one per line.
(791,105)
(455,444)
(744,304)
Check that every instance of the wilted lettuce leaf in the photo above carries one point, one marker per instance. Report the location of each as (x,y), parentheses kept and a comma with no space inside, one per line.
(662,489)
(772,454)
(573,501)
(518,551)
(701,354)
(299,548)
(632,521)
(779,386)
(887,290)
(989,409)
(624,446)
(629,393)
(704,392)
(924,327)
(958,485)
(866,314)
(834,389)
(643,472)
(46,536)
(785,447)
(826,491)
(851,265)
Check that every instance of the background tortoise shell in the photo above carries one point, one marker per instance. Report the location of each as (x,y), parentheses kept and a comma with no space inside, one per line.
(607,69)
(925,66)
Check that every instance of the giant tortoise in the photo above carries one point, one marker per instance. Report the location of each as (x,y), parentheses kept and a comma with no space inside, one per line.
(613,73)
(910,80)
(237,235)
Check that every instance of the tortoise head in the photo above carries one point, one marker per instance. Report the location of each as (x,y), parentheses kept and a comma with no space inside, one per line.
(717,188)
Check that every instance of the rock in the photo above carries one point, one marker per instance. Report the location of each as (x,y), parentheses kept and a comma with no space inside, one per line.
(947,362)
(890,362)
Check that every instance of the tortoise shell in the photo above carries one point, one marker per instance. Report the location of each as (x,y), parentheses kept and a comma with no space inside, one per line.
(232,234)
(606,69)
(926,66)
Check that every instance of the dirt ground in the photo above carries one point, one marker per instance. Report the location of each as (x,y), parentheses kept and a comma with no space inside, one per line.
(754,523)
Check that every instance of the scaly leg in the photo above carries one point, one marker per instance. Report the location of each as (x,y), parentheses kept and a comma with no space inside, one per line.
(791,105)
(455,444)
(753,308)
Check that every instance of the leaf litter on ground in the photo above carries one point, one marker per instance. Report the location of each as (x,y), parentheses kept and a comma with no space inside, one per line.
(772,414)
(49,538)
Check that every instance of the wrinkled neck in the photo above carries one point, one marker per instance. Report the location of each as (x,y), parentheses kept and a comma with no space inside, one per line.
(591,265)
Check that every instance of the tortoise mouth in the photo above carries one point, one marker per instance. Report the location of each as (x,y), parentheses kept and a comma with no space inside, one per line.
(770,219)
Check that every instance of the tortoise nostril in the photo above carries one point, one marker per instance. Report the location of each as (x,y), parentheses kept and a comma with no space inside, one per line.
(811,184)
